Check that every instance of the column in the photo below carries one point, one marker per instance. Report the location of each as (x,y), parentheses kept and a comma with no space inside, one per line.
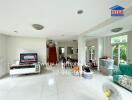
(100,49)
(65,46)
(45,51)
(81,52)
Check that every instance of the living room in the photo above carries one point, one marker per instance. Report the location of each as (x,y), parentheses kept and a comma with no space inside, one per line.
(61,50)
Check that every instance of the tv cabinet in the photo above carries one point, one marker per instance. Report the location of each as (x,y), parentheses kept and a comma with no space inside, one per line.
(24,69)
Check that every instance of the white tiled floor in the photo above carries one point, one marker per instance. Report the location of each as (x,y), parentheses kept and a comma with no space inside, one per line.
(55,84)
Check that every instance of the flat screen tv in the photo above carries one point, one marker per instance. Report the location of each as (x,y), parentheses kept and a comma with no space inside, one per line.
(28,58)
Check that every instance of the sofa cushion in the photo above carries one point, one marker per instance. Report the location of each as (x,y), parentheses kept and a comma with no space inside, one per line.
(126,69)
(125,81)
(116,72)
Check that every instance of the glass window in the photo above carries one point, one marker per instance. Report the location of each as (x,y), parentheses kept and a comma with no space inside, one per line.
(123,53)
(61,50)
(119,39)
(91,52)
(119,49)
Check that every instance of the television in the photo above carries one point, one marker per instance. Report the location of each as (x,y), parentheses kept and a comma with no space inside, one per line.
(28,58)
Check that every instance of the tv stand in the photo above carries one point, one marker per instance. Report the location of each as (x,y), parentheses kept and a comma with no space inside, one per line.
(24,69)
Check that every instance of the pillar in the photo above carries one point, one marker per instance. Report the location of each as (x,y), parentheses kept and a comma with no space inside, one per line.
(100,49)
(81,52)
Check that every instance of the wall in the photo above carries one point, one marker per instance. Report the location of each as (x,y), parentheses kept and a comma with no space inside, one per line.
(129,47)
(3,56)
(92,42)
(66,44)
(16,45)
(107,47)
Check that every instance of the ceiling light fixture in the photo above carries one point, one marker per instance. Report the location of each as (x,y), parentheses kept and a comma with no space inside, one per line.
(16,31)
(117,29)
(79,11)
(74,40)
(37,26)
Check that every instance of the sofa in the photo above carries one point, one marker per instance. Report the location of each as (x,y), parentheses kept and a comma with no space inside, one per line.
(123,76)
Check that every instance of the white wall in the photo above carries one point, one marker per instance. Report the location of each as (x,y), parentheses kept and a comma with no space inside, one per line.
(104,47)
(92,42)
(17,44)
(129,47)
(107,47)
(3,56)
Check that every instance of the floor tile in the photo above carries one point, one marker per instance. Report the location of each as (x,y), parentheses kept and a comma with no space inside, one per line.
(56,84)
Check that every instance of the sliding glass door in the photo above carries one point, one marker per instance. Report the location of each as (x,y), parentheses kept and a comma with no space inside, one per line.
(119,49)
(119,52)
(123,53)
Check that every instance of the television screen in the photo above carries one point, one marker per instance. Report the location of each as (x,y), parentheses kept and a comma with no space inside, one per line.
(28,58)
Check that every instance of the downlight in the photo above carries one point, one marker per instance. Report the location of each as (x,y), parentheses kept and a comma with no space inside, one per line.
(15,31)
(80,12)
(117,29)
(37,26)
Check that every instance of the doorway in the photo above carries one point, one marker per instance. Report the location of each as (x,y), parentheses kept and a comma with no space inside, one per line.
(61,53)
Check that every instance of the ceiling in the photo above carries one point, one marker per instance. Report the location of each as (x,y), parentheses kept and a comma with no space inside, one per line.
(125,23)
(59,17)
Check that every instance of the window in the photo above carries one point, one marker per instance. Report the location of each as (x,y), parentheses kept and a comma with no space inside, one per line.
(61,50)
(91,52)
(119,39)
(119,49)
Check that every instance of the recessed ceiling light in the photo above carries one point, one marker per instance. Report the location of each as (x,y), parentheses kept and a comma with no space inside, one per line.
(79,11)
(16,31)
(117,29)
(74,40)
(37,26)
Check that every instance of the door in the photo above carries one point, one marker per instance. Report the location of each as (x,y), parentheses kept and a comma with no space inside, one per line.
(119,52)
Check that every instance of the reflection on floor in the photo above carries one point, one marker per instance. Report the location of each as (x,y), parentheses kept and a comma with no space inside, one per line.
(55,84)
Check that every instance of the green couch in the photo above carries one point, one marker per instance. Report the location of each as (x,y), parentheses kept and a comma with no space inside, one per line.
(123,76)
